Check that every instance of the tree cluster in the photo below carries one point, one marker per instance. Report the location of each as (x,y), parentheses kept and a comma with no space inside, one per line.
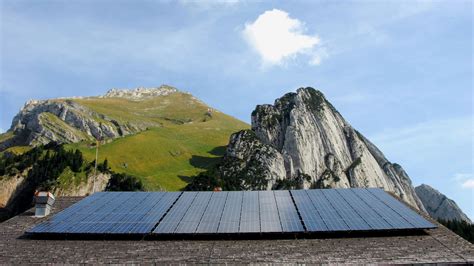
(124,182)
(461,228)
(46,163)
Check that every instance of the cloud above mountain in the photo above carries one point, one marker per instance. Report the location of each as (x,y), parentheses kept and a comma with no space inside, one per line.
(277,37)
(468,184)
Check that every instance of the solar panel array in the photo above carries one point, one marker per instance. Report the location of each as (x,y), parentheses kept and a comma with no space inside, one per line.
(234,212)
(111,213)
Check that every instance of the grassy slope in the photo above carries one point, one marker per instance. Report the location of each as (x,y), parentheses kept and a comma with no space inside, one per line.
(14,150)
(178,106)
(164,157)
(5,136)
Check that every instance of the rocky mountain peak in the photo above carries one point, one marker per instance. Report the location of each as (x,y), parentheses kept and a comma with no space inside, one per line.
(140,93)
(270,122)
(313,146)
(76,119)
(438,205)
(62,121)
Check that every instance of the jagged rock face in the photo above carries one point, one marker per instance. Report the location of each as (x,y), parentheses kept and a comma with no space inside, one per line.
(313,139)
(62,121)
(438,205)
(248,158)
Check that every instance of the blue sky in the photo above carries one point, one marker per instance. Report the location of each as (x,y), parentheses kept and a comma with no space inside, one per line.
(399,71)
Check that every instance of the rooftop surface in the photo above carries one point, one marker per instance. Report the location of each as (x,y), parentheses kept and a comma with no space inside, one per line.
(437,245)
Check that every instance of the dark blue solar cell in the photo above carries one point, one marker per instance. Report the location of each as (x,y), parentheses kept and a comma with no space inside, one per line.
(331,218)
(250,214)
(372,218)
(390,216)
(269,216)
(105,212)
(345,211)
(170,222)
(289,219)
(404,211)
(230,218)
(310,215)
(213,213)
(191,219)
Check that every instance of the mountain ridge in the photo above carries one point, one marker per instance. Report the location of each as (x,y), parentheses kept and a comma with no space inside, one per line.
(303,141)
(438,205)
(300,140)
(161,134)
(88,118)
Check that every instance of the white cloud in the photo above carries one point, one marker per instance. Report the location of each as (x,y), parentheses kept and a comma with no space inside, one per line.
(318,55)
(277,37)
(462,176)
(468,184)
(1,130)
(464,179)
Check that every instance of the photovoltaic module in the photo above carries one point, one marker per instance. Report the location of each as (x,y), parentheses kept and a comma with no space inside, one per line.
(233,212)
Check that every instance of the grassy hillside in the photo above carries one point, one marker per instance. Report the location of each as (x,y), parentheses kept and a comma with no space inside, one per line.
(15,149)
(183,139)
(165,157)
(176,108)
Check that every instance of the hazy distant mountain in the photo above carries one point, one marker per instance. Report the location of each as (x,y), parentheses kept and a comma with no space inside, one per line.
(438,205)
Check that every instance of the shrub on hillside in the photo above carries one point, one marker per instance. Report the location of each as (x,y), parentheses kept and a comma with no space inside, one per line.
(203,182)
(124,182)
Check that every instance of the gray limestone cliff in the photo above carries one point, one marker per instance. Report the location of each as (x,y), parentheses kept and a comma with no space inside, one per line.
(67,121)
(62,121)
(438,205)
(302,141)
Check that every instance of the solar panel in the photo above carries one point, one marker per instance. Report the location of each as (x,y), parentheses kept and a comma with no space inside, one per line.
(250,214)
(295,211)
(395,220)
(213,213)
(73,220)
(311,217)
(372,218)
(412,217)
(269,216)
(170,222)
(327,210)
(112,213)
(230,219)
(104,218)
(356,209)
(348,214)
(130,217)
(289,218)
(194,214)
